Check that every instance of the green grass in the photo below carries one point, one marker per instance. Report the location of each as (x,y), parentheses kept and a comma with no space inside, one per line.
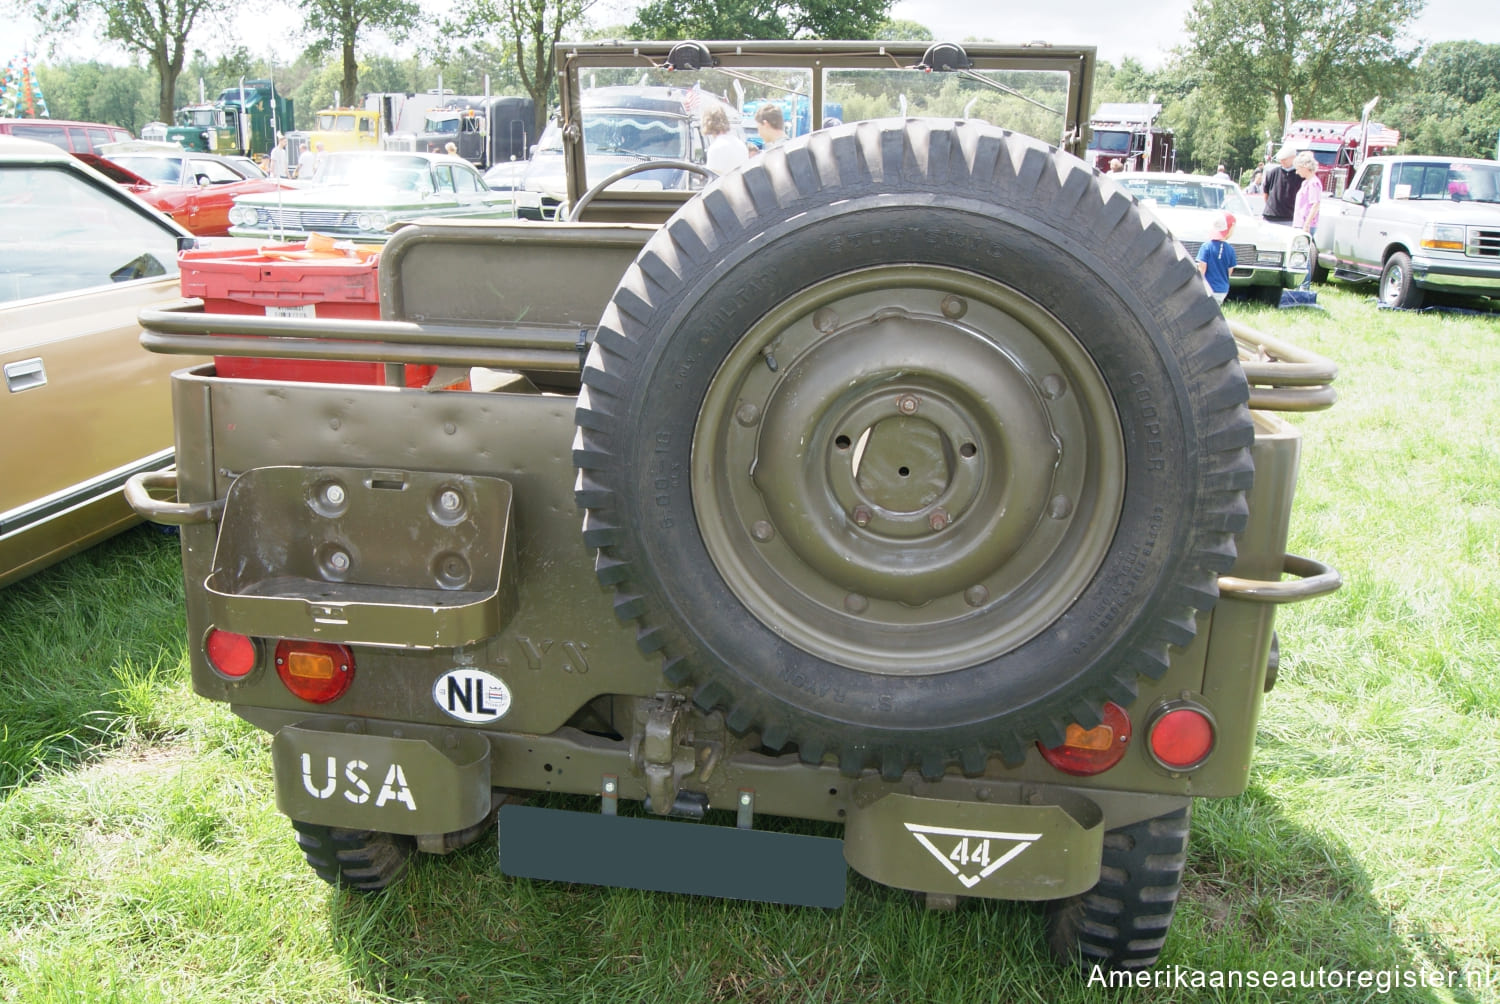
(141,858)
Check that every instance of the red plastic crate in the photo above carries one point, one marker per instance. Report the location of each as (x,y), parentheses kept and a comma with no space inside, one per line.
(271,283)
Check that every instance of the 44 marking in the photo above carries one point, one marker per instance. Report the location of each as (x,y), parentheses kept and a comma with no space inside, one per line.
(989,850)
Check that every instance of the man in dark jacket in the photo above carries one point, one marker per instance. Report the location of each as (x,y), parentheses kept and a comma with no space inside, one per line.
(1282,183)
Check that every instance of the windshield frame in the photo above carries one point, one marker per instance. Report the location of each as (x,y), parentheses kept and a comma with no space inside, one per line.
(575,60)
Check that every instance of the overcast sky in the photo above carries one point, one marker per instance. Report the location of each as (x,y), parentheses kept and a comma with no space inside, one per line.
(1117,28)
(1145,30)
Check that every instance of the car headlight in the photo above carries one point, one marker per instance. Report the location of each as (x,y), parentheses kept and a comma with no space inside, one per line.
(1443,237)
(1299,252)
(241,216)
(372,221)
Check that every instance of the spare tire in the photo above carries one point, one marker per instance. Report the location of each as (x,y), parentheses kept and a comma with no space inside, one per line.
(911,443)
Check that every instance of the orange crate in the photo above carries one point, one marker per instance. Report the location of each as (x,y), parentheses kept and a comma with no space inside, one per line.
(291,281)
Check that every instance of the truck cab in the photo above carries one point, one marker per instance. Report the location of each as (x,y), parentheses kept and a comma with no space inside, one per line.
(1128,133)
(347,129)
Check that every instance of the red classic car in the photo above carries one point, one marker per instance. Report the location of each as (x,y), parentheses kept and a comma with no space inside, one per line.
(195,189)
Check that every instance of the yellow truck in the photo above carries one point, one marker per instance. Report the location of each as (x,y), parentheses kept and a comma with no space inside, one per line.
(346,129)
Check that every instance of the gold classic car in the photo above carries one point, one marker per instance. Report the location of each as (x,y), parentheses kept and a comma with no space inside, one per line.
(84,406)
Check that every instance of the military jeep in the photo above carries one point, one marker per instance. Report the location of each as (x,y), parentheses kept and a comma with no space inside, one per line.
(906,478)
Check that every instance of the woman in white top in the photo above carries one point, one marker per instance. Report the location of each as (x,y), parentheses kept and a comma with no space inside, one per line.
(726,151)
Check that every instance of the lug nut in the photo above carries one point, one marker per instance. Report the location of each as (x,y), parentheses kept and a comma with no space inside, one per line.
(338,561)
(907,404)
(861,515)
(954,307)
(762,531)
(450,501)
(334,494)
(939,519)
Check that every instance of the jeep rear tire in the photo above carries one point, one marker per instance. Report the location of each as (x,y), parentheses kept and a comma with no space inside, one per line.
(909,444)
(1122,922)
(363,860)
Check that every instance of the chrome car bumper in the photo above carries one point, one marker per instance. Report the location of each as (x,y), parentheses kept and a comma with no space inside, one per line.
(1462,276)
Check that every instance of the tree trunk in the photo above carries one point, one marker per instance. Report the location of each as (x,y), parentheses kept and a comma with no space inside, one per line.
(166,87)
(347,96)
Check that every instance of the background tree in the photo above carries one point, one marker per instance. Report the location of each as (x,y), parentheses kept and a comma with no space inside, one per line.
(155,29)
(99,92)
(734,19)
(340,24)
(530,29)
(1453,105)
(903,30)
(1329,55)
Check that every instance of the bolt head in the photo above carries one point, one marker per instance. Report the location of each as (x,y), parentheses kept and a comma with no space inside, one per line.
(862,515)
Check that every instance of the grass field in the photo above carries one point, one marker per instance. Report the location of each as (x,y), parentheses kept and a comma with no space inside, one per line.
(141,858)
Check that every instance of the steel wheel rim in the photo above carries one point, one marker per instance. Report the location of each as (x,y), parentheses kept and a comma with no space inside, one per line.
(1393,278)
(921,469)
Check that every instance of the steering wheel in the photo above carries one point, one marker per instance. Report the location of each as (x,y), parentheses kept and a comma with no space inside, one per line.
(576,213)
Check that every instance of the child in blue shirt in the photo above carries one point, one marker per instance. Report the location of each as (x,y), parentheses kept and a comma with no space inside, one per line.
(1216,256)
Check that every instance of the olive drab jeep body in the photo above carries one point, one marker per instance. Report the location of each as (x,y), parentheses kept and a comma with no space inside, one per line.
(905,478)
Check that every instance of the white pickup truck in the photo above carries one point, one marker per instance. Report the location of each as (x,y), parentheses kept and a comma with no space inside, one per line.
(1416,224)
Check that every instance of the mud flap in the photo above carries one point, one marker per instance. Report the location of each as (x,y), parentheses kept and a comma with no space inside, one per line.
(423,780)
(981,849)
(696,859)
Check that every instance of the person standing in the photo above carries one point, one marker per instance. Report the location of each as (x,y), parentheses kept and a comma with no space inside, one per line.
(771,126)
(1222,175)
(1282,185)
(725,151)
(1257,182)
(1309,202)
(279,158)
(1216,257)
(307,166)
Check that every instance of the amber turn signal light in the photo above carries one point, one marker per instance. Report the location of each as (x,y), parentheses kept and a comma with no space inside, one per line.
(313,670)
(1092,751)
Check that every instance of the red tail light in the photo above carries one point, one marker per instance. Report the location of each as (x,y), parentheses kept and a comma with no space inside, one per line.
(1181,736)
(314,671)
(1095,750)
(232,655)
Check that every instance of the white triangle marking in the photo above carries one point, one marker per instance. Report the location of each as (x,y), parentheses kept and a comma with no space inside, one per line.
(1023,841)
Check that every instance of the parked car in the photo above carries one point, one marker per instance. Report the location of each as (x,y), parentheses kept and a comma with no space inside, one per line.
(362,195)
(246,166)
(195,189)
(77,137)
(622,126)
(1271,256)
(84,406)
(1417,225)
